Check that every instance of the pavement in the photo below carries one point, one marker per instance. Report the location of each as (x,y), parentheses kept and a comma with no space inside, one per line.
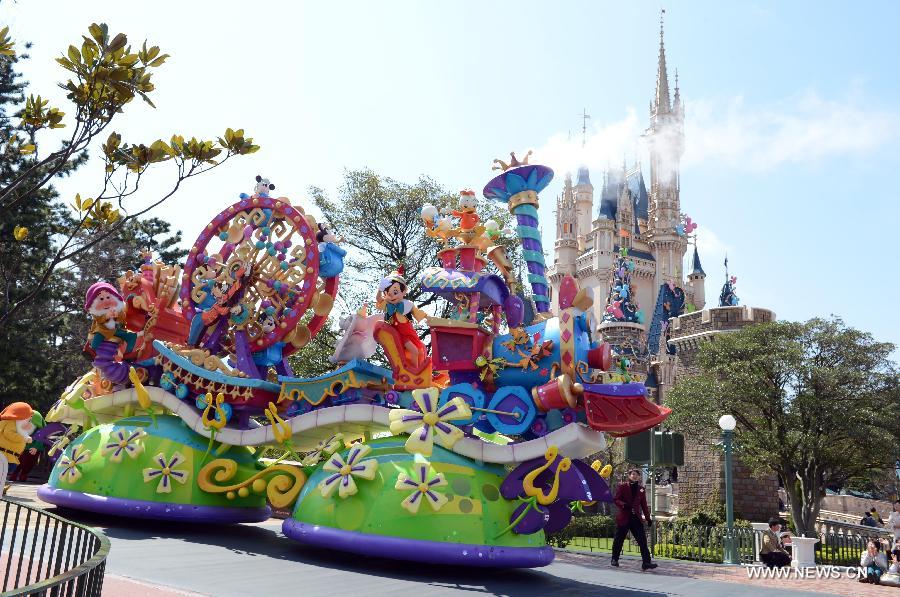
(162,559)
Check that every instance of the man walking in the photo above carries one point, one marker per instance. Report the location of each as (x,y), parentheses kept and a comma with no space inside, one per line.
(631,501)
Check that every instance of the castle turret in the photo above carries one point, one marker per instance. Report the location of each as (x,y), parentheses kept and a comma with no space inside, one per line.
(566,246)
(697,282)
(625,214)
(584,202)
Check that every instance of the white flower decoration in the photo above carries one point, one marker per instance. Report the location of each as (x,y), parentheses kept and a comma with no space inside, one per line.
(342,479)
(69,465)
(429,423)
(326,447)
(166,472)
(123,442)
(422,488)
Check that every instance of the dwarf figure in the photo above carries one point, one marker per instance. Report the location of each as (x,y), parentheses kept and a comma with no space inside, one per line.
(108,334)
(15,432)
(468,219)
(391,298)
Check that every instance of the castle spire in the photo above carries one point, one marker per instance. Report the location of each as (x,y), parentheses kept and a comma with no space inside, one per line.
(698,269)
(676,101)
(662,105)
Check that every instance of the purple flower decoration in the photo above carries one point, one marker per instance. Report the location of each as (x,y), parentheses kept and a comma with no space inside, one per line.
(423,488)
(344,472)
(548,485)
(430,422)
(167,471)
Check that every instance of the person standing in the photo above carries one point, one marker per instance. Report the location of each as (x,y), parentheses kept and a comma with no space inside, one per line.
(893,521)
(631,500)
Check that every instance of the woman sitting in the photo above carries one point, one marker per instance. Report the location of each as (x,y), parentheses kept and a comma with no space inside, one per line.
(874,562)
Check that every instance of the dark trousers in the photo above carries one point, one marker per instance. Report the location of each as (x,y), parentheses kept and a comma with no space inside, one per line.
(637,531)
(775,559)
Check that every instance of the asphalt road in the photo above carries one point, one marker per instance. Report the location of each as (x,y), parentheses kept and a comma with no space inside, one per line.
(257,559)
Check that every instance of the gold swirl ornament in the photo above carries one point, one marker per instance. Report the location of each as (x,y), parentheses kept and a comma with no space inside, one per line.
(281,429)
(545,499)
(217,421)
(282,486)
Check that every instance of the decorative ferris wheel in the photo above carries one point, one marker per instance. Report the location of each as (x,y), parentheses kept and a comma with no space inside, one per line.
(252,283)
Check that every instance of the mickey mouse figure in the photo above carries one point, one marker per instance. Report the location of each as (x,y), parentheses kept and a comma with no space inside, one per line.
(262,188)
(331,256)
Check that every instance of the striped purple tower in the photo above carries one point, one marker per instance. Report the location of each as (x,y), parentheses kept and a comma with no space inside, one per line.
(518,187)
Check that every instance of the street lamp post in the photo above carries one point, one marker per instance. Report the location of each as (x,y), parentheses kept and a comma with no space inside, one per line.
(727,424)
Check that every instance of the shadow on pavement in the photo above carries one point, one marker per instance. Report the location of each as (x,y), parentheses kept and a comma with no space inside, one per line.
(266,540)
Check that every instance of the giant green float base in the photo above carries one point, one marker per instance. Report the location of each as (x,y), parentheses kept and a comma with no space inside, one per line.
(89,477)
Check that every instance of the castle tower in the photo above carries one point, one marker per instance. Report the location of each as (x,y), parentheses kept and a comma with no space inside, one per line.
(697,282)
(584,202)
(566,246)
(625,213)
(665,139)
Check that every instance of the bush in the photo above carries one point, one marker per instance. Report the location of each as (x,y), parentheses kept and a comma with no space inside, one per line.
(583,526)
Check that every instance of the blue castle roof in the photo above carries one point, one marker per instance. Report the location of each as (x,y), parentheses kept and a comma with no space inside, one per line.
(698,269)
(612,188)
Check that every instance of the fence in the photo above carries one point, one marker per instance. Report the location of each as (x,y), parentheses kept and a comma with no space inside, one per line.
(842,544)
(670,539)
(839,545)
(44,554)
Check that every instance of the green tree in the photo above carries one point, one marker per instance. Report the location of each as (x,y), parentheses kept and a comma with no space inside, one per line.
(818,403)
(28,368)
(104,75)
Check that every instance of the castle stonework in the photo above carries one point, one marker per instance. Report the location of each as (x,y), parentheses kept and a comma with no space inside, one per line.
(755,497)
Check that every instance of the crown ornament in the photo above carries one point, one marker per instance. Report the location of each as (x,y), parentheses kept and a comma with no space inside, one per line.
(514,162)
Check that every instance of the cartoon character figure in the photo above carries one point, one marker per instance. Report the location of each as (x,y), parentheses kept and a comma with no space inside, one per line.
(223,299)
(331,256)
(261,189)
(15,432)
(391,298)
(468,219)
(272,355)
(107,335)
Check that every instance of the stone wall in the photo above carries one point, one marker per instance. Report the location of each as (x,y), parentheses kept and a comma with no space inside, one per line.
(702,478)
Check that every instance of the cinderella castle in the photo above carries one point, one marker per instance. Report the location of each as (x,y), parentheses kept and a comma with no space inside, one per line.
(646,221)
(631,248)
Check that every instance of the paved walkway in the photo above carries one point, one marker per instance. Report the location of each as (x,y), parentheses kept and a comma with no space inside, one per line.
(155,558)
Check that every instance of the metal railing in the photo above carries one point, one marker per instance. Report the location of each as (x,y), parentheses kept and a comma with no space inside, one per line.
(669,539)
(839,545)
(842,544)
(45,554)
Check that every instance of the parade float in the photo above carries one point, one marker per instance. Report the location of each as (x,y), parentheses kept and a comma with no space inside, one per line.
(465,451)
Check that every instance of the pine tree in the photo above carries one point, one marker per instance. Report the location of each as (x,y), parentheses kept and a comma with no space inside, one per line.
(27,369)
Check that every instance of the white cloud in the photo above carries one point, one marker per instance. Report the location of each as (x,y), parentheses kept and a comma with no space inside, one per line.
(802,128)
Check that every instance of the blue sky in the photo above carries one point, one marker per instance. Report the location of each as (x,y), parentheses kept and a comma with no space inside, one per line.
(792,128)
